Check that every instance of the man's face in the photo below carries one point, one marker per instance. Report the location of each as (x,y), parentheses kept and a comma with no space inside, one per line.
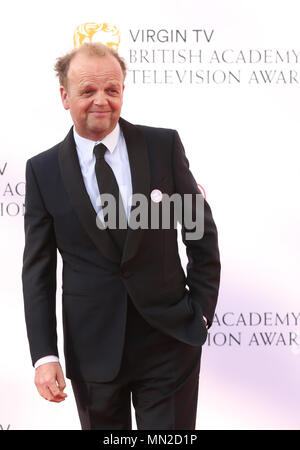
(94,94)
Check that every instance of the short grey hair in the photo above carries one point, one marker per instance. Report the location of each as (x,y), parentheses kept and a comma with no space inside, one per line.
(91,48)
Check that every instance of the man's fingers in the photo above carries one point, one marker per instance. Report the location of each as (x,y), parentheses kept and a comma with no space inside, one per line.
(61,380)
(45,393)
(55,391)
(50,391)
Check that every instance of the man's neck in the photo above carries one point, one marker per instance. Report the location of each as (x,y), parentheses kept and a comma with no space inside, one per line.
(95,137)
(110,139)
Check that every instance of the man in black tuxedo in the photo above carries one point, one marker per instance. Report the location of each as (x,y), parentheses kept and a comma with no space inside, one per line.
(133,322)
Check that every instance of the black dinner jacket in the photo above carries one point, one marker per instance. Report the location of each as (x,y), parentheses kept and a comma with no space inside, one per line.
(96,278)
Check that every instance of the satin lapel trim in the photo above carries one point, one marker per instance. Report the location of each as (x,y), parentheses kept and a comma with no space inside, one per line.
(80,200)
(140,177)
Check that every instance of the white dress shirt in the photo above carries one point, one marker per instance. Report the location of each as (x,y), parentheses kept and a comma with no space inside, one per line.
(117,158)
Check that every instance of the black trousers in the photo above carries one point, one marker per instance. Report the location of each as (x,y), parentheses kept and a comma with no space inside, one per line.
(160,373)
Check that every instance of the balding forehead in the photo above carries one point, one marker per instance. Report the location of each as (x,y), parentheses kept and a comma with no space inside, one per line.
(84,62)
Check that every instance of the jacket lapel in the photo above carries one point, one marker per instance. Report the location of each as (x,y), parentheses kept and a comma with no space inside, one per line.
(80,200)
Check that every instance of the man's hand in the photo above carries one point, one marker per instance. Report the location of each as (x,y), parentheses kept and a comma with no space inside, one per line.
(50,382)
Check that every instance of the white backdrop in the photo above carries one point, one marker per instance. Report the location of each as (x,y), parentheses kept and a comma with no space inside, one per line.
(235,103)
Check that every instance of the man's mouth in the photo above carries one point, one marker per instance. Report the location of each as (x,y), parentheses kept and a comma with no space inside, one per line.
(99,113)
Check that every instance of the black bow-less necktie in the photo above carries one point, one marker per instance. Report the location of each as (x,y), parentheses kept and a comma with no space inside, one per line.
(107,184)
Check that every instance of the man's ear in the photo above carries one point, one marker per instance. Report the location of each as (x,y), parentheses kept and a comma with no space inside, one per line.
(64,97)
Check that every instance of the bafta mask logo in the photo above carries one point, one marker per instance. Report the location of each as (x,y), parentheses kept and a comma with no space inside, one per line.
(97,32)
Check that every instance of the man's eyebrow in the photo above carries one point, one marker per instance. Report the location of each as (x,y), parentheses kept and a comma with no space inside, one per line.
(113,83)
(84,84)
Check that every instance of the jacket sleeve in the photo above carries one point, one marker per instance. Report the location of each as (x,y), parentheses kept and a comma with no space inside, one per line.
(39,272)
(203,268)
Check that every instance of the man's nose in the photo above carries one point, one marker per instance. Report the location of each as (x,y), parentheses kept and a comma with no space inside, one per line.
(100,98)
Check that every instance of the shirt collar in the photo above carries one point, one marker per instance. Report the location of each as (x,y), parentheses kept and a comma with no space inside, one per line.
(86,146)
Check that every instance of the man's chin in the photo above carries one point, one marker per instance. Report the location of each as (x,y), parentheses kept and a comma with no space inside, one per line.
(98,132)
